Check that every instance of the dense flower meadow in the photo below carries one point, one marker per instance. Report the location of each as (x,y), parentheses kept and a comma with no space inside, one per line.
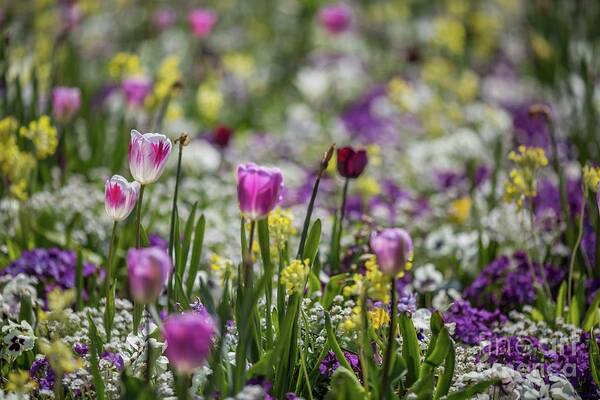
(299,199)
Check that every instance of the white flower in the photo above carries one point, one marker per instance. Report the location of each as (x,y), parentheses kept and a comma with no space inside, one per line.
(17,338)
(427,278)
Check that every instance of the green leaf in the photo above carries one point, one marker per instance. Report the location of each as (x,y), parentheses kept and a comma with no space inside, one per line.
(136,389)
(314,285)
(79,281)
(574,315)
(26,309)
(187,237)
(335,347)
(594,357)
(471,391)
(411,351)
(423,387)
(312,242)
(591,316)
(95,350)
(560,300)
(345,386)
(196,254)
(445,380)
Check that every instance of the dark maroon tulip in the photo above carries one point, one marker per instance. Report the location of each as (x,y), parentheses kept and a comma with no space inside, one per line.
(222,135)
(351,163)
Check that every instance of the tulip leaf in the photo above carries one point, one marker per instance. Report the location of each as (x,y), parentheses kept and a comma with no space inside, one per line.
(345,385)
(332,289)
(95,350)
(470,391)
(445,380)
(312,242)
(411,351)
(79,281)
(591,316)
(187,237)
(594,356)
(26,309)
(196,254)
(560,300)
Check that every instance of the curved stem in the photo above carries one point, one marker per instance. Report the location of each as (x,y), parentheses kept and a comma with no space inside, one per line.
(391,338)
(109,287)
(576,247)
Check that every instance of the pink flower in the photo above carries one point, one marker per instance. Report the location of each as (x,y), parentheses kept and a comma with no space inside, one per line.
(120,197)
(148,154)
(136,89)
(393,248)
(336,18)
(189,338)
(148,270)
(202,21)
(66,101)
(259,190)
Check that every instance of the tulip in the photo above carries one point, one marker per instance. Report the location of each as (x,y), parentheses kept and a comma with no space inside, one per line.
(336,18)
(222,135)
(136,89)
(393,248)
(120,197)
(259,190)
(351,163)
(202,21)
(189,339)
(148,155)
(66,101)
(148,270)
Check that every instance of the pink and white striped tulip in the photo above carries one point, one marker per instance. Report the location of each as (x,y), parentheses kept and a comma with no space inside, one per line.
(120,197)
(259,190)
(148,154)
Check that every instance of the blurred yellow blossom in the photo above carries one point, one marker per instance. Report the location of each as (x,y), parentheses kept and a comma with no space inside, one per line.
(591,177)
(124,64)
(460,209)
(378,317)
(367,186)
(540,46)
(59,300)
(293,277)
(467,86)
(450,34)
(522,179)
(240,64)
(280,226)
(20,382)
(43,135)
(209,100)
(60,357)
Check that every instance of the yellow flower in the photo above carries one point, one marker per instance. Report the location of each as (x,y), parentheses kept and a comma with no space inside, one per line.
(352,322)
(401,93)
(378,317)
(529,157)
(280,226)
(294,276)
(167,76)
(59,300)
(367,186)
(18,189)
(221,266)
(522,180)
(60,357)
(541,47)
(450,34)
(209,100)
(43,135)
(591,177)
(240,64)
(460,209)
(124,64)
(20,382)
(467,86)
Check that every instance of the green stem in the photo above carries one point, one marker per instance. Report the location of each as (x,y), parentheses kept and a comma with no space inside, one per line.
(309,211)
(109,287)
(177,178)
(576,246)
(341,224)
(391,339)
(182,386)
(138,230)
(148,350)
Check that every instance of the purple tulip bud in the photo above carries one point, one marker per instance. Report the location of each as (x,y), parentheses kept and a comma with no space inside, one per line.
(148,154)
(189,340)
(393,248)
(202,21)
(120,197)
(66,101)
(336,18)
(259,190)
(136,89)
(148,269)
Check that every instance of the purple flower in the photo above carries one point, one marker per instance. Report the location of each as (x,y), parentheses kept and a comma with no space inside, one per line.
(330,363)
(393,248)
(472,325)
(189,340)
(266,385)
(136,89)
(81,348)
(115,359)
(259,190)
(155,240)
(336,18)
(148,270)
(66,101)
(148,154)
(53,267)
(41,372)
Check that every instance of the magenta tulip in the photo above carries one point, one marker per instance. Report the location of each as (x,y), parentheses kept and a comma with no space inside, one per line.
(393,248)
(189,338)
(259,190)
(136,89)
(336,18)
(66,101)
(148,154)
(148,270)
(202,21)
(120,197)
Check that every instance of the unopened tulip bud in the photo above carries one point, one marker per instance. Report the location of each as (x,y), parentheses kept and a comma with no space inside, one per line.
(148,271)
(259,190)
(351,163)
(148,154)
(120,197)
(393,248)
